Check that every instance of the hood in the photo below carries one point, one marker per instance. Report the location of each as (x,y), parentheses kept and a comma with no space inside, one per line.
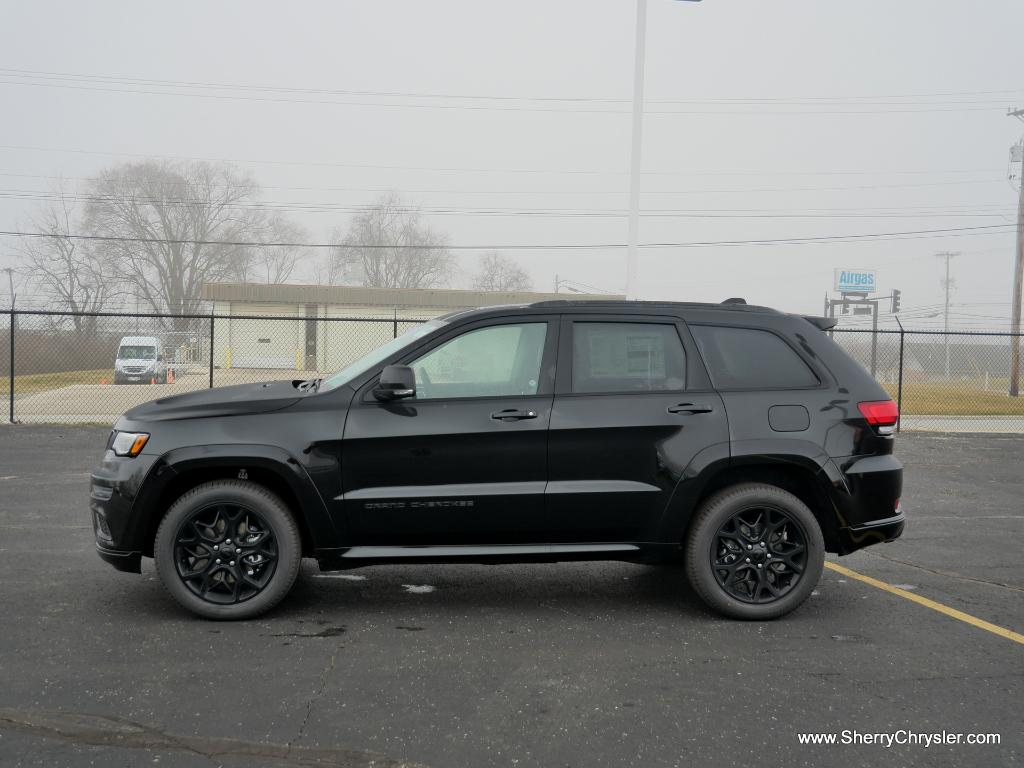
(221,401)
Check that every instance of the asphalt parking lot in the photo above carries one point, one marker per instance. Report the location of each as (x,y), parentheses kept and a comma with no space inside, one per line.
(542,665)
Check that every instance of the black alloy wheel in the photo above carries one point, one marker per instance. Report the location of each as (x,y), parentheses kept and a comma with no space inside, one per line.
(754,551)
(225,553)
(759,554)
(228,549)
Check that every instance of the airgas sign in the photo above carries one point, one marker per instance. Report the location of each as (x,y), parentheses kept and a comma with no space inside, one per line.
(856,280)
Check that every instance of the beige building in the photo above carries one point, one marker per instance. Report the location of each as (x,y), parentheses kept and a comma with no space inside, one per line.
(323,328)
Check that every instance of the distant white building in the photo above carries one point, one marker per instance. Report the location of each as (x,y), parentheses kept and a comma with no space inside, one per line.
(323,328)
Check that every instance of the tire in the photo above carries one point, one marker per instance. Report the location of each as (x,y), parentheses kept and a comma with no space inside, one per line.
(242,523)
(726,530)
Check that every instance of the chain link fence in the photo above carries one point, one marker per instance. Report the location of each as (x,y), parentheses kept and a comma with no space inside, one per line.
(90,368)
(947,382)
(75,368)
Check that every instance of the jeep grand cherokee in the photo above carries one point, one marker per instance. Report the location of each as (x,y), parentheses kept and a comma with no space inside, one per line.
(737,440)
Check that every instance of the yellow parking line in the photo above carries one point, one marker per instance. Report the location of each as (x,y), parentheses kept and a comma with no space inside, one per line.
(951,612)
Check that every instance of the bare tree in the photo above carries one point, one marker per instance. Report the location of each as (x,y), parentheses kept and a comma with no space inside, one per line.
(277,261)
(174,226)
(71,275)
(388,246)
(500,273)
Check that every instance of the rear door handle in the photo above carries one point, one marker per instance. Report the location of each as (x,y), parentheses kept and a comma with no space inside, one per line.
(511,414)
(690,408)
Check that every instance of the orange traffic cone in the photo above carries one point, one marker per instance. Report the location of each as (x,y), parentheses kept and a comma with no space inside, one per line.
(170,375)
(103,381)
(152,380)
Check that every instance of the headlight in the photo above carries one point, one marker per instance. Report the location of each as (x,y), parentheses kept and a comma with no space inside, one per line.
(128,443)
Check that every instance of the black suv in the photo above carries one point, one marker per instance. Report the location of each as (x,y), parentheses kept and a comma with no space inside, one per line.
(734,439)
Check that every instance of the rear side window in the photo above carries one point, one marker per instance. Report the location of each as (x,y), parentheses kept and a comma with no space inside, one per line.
(745,358)
(625,357)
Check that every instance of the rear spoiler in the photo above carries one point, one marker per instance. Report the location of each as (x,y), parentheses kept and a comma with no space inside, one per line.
(824,323)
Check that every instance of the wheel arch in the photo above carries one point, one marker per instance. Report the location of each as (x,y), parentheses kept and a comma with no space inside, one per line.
(268,466)
(809,478)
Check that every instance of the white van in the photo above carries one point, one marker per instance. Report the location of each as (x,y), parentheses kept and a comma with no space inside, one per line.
(140,359)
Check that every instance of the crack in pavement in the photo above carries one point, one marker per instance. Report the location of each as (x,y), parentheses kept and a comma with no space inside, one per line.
(314,698)
(947,574)
(107,731)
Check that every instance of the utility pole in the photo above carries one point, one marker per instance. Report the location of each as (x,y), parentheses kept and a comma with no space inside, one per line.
(948,285)
(1018,277)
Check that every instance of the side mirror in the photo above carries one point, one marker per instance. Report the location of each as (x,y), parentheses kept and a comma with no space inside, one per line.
(396,381)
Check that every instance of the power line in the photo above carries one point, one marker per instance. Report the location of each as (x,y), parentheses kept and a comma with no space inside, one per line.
(912,234)
(879,105)
(993,211)
(624,100)
(331,208)
(491,108)
(745,174)
(539,171)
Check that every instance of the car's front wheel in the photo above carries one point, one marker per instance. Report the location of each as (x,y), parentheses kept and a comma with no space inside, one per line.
(228,549)
(754,552)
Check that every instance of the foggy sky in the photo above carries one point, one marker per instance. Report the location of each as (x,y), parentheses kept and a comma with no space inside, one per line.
(791,113)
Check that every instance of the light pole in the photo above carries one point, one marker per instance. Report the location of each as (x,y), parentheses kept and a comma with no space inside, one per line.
(636,153)
(1018,279)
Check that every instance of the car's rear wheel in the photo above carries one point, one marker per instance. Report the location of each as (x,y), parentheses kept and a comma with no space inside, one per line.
(228,549)
(754,552)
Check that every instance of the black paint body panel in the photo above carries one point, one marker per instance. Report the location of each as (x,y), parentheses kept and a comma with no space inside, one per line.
(611,475)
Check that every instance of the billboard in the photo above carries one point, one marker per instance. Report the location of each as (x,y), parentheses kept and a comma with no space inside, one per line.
(850,280)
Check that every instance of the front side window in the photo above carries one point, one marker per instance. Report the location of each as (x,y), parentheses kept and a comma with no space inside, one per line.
(365,363)
(747,358)
(627,357)
(498,361)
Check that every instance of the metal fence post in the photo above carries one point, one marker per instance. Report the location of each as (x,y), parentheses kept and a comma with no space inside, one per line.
(212,318)
(874,339)
(899,386)
(394,325)
(10,371)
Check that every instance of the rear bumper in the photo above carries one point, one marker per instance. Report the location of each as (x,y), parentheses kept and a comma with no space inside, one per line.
(866,495)
(856,537)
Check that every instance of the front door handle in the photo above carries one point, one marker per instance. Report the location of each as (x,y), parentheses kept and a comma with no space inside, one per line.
(511,414)
(690,408)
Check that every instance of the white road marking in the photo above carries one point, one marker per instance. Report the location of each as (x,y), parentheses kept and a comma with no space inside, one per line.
(9,477)
(418,589)
(348,576)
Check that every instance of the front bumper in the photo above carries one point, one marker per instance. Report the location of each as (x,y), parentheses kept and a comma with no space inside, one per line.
(130,562)
(114,486)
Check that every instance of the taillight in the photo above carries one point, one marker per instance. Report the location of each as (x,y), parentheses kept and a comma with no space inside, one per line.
(881,414)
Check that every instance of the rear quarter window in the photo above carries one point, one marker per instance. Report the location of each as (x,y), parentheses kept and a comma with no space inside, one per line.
(747,358)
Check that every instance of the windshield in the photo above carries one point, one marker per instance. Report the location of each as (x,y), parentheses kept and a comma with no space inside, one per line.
(368,361)
(136,353)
